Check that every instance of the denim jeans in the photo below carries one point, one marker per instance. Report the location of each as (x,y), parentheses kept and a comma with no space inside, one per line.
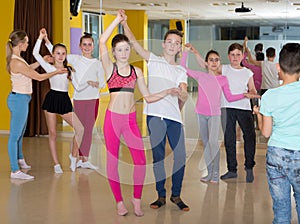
(18,105)
(159,129)
(283,172)
(245,120)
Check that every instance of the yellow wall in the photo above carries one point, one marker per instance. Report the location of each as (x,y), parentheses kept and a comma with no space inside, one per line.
(6,24)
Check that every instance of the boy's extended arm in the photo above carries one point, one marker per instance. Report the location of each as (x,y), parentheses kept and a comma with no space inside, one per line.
(145,54)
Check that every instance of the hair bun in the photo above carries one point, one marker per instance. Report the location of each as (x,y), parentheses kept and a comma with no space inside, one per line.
(87,34)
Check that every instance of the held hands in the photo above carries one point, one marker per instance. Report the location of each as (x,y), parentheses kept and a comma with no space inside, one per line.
(61,71)
(93,84)
(252,95)
(189,47)
(43,33)
(121,16)
(173,91)
(255,109)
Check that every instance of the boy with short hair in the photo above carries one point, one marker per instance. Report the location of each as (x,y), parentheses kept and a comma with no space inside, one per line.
(240,80)
(279,119)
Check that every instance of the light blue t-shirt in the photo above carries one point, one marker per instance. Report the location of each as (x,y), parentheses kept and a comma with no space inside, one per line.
(283,105)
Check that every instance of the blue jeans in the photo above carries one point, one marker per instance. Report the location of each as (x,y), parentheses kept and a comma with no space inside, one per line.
(18,105)
(159,129)
(283,172)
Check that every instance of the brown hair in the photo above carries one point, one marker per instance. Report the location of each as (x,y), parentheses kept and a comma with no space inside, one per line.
(65,62)
(86,36)
(235,46)
(15,37)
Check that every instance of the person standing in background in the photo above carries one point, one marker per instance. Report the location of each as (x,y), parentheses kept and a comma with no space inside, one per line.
(87,79)
(18,100)
(270,77)
(211,85)
(57,101)
(254,64)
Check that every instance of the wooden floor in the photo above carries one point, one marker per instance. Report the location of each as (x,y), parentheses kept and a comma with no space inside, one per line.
(84,196)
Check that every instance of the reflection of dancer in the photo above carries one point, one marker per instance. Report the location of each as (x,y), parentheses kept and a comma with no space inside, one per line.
(87,79)
(208,107)
(57,101)
(163,117)
(279,119)
(19,98)
(120,118)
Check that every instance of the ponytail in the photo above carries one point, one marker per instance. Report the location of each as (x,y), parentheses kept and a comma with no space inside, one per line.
(15,37)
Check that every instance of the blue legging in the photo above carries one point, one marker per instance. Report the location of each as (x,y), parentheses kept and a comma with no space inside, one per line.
(18,105)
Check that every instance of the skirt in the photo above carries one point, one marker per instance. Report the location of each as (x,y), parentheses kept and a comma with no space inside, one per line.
(57,102)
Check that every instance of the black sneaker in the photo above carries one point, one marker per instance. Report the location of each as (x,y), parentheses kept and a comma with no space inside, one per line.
(229,175)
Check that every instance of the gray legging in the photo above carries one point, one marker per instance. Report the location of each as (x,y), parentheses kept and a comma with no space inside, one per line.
(209,132)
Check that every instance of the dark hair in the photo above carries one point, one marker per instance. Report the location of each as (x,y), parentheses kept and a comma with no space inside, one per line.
(270,52)
(211,52)
(177,32)
(235,46)
(289,58)
(65,63)
(258,47)
(15,37)
(119,38)
(260,56)
(86,36)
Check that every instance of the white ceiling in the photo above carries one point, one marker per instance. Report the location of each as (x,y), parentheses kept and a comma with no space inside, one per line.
(264,12)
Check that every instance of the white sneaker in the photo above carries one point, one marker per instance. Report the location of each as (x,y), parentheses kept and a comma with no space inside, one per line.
(79,163)
(20,175)
(73,162)
(22,163)
(88,165)
(57,169)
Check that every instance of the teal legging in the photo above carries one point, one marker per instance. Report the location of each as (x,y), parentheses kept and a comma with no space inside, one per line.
(18,105)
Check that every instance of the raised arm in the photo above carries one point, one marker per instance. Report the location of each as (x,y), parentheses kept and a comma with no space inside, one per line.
(36,53)
(198,56)
(137,47)
(106,61)
(192,73)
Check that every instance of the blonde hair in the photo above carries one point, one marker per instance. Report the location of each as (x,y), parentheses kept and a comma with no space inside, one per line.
(15,37)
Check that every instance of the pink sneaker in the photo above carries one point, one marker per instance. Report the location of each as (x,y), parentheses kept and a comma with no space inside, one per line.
(121,209)
(137,207)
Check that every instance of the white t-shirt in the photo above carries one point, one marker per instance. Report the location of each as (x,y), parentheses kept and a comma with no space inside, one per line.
(161,76)
(86,69)
(238,83)
(269,75)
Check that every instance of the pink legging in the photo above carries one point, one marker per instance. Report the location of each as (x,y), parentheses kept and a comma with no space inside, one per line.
(116,125)
(87,111)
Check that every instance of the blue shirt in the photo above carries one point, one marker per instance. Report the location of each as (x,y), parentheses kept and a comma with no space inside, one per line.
(283,105)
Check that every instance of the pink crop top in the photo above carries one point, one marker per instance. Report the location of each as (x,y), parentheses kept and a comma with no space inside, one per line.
(117,82)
